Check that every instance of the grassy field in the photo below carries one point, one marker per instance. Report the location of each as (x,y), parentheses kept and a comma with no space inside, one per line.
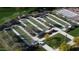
(56,40)
(74,32)
(9,13)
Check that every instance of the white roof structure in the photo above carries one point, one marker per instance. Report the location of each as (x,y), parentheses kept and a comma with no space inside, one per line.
(67,13)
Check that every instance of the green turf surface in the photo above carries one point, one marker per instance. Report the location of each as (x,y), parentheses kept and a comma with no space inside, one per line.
(29,39)
(9,13)
(53,23)
(74,32)
(38,24)
(54,18)
(56,40)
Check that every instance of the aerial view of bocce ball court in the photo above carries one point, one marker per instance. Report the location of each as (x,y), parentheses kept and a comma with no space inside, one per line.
(39,29)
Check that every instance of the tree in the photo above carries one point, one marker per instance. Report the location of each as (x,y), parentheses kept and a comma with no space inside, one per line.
(64,46)
(76,40)
(46,36)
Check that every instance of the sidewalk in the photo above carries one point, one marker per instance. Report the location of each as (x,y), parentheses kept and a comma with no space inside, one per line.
(55,21)
(48,48)
(35,25)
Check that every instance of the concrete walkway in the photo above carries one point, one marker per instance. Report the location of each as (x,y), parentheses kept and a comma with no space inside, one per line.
(40,22)
(60,19)
(36,39)
(52,24)
(46,47)
(20,36)
(50,35)
(66,35)
(42,19)
(15,32)
(55,21)
(34,25)
(22,23)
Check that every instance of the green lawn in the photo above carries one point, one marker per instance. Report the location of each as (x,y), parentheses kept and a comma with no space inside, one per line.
(56,40)
(9,13)
(75,32)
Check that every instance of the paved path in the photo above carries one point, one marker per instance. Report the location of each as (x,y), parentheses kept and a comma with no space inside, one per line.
(40,22)
(48,48)
(36,39)
(22,23)
(34,25)
(42,19)
(53,25)
(15,32)
(20,36)
(60,31)
(60,19)
(55,21)
(50,35)
(66,35)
